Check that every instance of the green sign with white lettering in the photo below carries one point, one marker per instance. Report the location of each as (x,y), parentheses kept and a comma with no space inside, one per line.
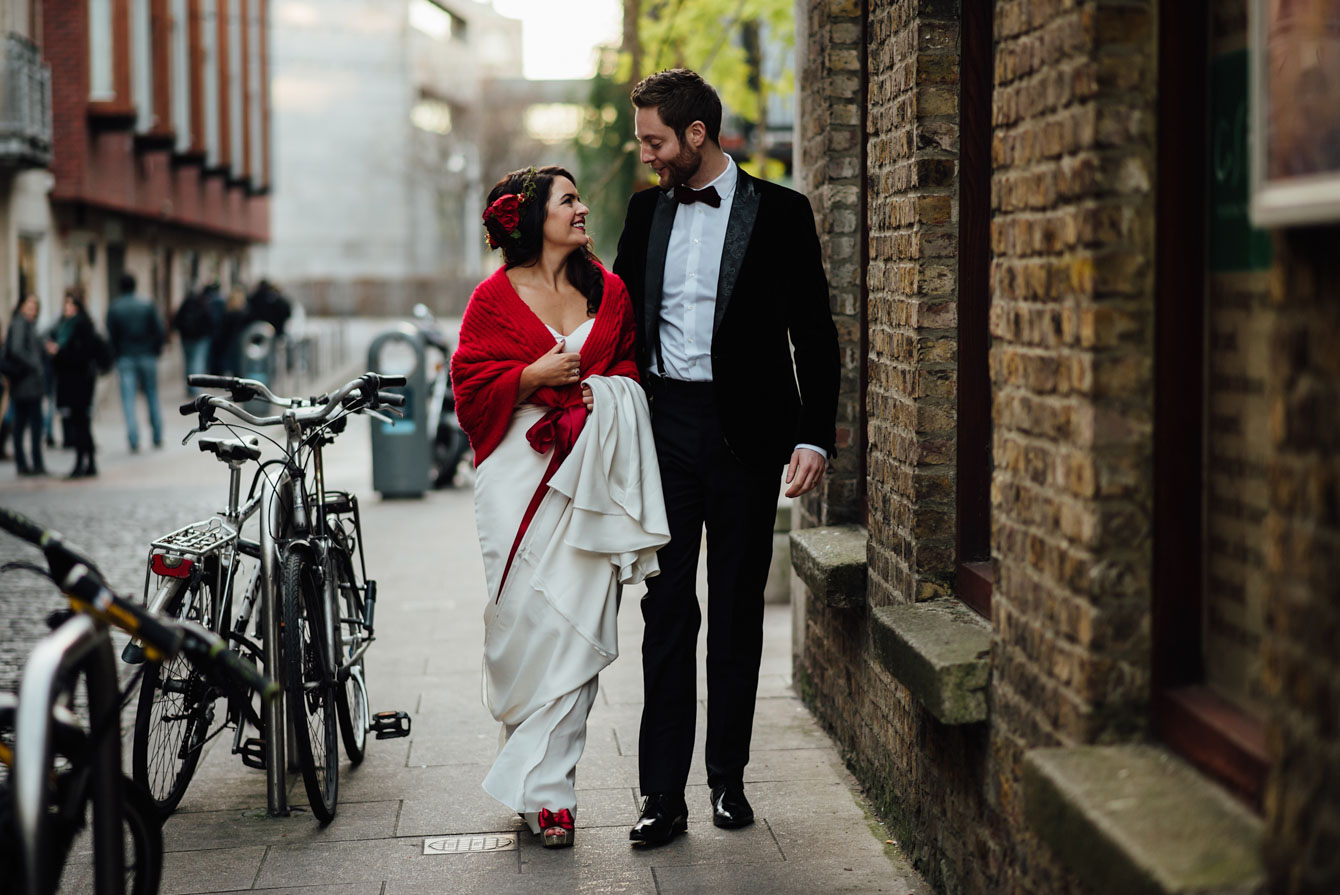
(1234,243)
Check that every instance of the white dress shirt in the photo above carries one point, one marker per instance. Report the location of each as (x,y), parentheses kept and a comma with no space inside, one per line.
(689,288)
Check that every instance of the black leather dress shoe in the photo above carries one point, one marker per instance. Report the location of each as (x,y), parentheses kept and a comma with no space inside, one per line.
(730,809)
(663,816)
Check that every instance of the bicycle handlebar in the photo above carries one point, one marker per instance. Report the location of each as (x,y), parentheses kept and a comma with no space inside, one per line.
(241,389)
(79,577)
(368,388)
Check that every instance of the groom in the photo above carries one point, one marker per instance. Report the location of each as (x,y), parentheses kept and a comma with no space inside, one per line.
(726,280)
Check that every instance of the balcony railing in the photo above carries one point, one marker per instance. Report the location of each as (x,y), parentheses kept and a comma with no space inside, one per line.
(25,104)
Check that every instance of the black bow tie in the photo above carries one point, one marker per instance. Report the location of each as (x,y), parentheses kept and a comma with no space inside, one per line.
(708,195)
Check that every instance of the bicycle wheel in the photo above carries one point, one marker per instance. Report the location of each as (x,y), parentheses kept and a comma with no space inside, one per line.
(141,848)
(309,682)
(143,839)
(351,698)
(172,717)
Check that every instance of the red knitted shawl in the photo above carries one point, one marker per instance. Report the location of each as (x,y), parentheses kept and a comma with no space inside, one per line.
(500,335)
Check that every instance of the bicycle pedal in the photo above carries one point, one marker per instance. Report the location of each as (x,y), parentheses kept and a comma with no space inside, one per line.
(390,725)
(253,753)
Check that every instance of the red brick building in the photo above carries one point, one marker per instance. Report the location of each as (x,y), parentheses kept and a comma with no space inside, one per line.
(160,156)
(1069,600)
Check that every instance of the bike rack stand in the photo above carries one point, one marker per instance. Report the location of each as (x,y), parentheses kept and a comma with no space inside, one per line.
(276,758)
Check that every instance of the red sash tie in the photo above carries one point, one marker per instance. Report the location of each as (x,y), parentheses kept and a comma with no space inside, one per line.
(558,429)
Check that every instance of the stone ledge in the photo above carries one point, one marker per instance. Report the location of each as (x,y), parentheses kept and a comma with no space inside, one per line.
(831,561)
(1135,819)
(941,651)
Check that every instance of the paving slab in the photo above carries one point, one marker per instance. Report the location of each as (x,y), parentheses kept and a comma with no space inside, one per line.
(812,834)
(864,876)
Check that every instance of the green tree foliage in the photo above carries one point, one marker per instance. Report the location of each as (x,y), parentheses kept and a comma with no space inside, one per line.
(720,40)
(713,37)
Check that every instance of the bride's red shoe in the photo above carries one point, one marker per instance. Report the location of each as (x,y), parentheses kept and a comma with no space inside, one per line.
(558,829)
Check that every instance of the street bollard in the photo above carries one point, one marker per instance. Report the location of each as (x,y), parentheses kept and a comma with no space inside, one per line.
(400,449)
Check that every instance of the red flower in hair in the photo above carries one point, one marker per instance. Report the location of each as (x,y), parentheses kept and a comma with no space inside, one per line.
(506,210)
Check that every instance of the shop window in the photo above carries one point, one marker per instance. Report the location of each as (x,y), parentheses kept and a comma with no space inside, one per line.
(975,570)
(1209,452)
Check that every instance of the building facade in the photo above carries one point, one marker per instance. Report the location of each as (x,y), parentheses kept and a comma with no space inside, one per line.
(388,134)
(25,154)
(160,164)
(1068,599)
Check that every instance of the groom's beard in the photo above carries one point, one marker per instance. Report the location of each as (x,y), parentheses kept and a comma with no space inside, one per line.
(680,170)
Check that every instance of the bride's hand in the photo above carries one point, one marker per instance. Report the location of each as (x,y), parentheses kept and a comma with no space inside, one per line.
(587,398)
(555,367)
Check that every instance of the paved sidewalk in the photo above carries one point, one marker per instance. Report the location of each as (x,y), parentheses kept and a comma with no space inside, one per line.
(812,834)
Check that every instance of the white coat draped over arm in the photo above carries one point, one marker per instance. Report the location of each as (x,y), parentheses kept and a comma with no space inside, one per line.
(554,625)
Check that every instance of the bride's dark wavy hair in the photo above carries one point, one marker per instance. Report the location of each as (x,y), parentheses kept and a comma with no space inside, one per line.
(581,267)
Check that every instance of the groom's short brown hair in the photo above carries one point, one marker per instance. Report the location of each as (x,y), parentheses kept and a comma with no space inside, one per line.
(681,97)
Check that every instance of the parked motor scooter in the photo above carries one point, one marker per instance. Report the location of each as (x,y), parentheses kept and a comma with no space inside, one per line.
(449,443)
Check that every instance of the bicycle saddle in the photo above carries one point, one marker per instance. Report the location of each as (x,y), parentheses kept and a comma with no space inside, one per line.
(232,449)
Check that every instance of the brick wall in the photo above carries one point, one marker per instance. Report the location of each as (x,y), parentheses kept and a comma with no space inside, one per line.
(106,169)
(1071,370)
(1302,551)
(913,143)
(829,172)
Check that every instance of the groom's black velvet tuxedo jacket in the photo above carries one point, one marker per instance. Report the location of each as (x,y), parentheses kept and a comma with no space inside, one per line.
(771,285)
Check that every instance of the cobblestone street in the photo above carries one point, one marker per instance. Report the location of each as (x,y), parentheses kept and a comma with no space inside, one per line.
(814,833)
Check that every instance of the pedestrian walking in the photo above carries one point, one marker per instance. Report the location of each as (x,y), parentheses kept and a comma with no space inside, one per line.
(726,277)
(546,338)
(74,348)
(49,399)
(227,345)
(23,367)
(194,327)
(267,303)
(136,334)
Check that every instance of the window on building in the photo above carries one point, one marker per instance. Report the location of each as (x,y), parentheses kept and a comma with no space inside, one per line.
(236,89)
(432,115)
(1212,292)
(431,19)
(180,54)
(101,82)
(209,65)
(975,571)
(141,64)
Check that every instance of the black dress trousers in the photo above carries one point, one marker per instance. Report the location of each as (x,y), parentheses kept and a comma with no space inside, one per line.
(704,485)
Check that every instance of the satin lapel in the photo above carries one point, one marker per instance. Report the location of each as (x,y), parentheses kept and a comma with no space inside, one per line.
(743,212)
(658,243)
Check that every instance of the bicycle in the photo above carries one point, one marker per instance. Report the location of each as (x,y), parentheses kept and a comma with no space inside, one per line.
(60,767)
(191,575)
(308,542)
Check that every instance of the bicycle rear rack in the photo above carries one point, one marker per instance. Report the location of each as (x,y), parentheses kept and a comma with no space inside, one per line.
(198,538)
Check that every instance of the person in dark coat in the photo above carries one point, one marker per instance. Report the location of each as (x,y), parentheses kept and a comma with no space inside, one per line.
(228,335)
(23,355)
(738,350)
(73,346)
(136,333)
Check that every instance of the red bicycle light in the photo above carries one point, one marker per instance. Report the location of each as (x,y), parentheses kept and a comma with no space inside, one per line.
(172,566)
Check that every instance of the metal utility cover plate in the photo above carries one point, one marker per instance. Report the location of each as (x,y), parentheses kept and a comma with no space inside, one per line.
(459,845)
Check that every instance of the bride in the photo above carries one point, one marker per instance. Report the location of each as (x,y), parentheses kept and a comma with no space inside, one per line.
(567,491)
